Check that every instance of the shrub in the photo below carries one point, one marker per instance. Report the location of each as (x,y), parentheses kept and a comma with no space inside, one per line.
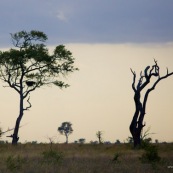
(52,157)
(145,143)
(14,163)
(129,140)
(81,140)
(116,158)
(150,154)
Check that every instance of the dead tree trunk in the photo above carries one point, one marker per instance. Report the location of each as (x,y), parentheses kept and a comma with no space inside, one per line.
(137,124)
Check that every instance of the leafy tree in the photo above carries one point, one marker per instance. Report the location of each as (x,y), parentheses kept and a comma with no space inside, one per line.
(65,129)
(29,66)
(137,125)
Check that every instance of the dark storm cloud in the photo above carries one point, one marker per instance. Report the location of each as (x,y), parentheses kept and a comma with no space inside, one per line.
(91,21)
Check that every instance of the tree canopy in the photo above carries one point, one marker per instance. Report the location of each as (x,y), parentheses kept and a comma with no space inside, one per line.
(30,61)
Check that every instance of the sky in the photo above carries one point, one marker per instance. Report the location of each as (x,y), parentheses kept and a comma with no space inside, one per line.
(107,38)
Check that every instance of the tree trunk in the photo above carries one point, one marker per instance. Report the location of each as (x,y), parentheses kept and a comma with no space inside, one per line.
(136,134)
(66,139)
(136,125)
(15,137)
(137,139)
(99,140)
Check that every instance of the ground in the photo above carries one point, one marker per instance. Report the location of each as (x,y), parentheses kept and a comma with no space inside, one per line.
(81,158)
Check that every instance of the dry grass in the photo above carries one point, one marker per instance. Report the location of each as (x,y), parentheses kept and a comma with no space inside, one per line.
(87,158)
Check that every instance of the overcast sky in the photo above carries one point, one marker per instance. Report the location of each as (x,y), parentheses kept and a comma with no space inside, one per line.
(107,38)
(89,21)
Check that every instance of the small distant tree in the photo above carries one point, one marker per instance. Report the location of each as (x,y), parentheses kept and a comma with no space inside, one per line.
(99,136)
(117,141)
(65,129)
(82,140)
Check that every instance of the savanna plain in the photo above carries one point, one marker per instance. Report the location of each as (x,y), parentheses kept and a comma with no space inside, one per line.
(83,158)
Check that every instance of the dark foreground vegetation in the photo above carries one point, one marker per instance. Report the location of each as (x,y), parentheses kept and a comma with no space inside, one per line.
(85,158)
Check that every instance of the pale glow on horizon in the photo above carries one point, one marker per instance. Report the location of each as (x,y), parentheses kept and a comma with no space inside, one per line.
(100,96)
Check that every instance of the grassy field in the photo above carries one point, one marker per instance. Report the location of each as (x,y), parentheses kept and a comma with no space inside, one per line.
(81,158)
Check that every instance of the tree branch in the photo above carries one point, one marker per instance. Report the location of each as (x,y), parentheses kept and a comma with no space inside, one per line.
(134,80)
(153,87)
(8,130)
(27,108)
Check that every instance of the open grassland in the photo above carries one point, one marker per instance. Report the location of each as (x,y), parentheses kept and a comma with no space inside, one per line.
(81,158)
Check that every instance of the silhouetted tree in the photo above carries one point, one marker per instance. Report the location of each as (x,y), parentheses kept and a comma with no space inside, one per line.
(99,136)
(137,125)
(65,129)
(29,66)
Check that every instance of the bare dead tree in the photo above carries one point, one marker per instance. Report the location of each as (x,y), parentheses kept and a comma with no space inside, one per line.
(137,124)
(99,135)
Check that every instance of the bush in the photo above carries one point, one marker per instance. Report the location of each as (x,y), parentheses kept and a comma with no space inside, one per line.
(116,158)
(81,140)
(145,143)
(14,163)
(150,154)
(52,156)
